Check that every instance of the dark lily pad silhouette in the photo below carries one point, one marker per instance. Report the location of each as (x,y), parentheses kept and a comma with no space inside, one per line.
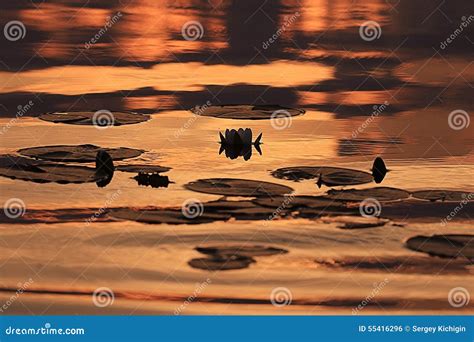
(397,264)
(142,168)
(104,166)
(154,180)
(237,187)
(87,118)
(77,153)
(448,246)
(355,222)
(319,202)
(246,112)
(164,215)
(426,211)
(221,263)
(15,167)
(329,176)
(249,251)
(240,210)
(50,216)
(382,194)
(444,195)
(379,170)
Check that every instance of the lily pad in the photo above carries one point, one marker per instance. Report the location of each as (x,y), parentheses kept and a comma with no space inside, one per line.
(330,176)
(444,195)
(221,263)
(397,264)
(382,194)
(238,187)
(142,168)
(77,153)
(298,202)
(249,251)
(164,215)
(355,222)
(246,112)
(84,215)
(41,172)
(448,246)
(87,118)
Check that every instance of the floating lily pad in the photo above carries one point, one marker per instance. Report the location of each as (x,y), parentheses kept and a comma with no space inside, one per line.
(168,216)
(87,118)
(449,246)
(237,187)
(142,168)
(382,194)
(221,263)
(398,264)
(84,215)
(41,172)
(330,176)
(246,112)
(444,195)
(240,210)
(77,153)
(425,211)
(298,201)
(355,222)
(249,251)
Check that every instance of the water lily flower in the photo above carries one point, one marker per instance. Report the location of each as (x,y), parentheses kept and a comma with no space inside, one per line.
(238,143)
(379,170)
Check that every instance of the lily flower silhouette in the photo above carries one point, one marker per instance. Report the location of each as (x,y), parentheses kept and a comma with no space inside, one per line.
(379,170)
(238,143)
(104,166)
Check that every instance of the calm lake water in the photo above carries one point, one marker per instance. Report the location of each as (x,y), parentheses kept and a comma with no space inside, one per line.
(388,96)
